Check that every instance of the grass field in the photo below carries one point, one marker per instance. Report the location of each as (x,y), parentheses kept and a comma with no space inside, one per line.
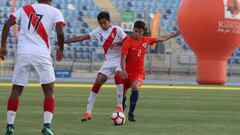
(165,110)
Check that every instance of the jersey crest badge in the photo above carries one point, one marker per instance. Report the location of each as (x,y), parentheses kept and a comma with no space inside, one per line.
(144,45)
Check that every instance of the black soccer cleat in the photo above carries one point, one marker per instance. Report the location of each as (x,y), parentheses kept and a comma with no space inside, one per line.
(9,130)
(131,118)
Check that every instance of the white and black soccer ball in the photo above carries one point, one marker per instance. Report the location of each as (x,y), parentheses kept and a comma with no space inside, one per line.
(118,118)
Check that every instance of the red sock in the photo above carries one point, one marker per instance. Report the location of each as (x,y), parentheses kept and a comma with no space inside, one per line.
(96,88)
(118,79)
(49,105)
(12,104)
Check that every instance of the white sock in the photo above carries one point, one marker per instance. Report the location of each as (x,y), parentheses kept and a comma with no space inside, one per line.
(11,117)
(120,94)
(47,117)
(91,101)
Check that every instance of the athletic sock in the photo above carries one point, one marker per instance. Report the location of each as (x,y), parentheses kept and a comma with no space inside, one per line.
(11,110)
(124,102)
(48,110)
(119,94)
(91,101)
(133,102)
(119,82)
(92,97)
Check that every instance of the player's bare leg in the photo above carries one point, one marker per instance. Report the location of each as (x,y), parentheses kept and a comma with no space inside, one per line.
(100,80)
(127,85)
(133,100)
(48,106)
(119,82)
(12,107)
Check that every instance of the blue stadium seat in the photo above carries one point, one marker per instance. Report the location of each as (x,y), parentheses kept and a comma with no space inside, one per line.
(129,4)
(168,11)
(85,25)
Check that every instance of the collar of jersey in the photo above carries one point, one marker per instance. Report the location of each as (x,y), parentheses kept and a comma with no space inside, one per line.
(139,39)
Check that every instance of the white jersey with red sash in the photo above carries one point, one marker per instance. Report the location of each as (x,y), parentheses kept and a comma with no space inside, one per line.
(36,24)
(107,38)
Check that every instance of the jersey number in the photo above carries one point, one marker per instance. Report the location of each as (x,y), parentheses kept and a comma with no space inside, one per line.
(139,53)
(39,18)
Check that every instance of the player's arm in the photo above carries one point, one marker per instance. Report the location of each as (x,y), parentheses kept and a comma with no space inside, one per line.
(122,35)
(60,37)
(124,54)
(167,37)
(6,28)
(77,39)
(123,66)
(115,44)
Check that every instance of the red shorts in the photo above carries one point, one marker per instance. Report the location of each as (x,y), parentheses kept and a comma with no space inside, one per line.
(131,78)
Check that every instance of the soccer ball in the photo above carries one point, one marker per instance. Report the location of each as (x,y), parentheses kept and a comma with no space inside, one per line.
(118,118)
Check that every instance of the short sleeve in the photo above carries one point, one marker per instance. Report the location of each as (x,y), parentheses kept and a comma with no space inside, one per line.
(93,34)
(121,34)
(150,40)
(125,47)
(59,19)
(17,14)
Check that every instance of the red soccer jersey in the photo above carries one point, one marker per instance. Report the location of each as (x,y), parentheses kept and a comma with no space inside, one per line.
(135,51)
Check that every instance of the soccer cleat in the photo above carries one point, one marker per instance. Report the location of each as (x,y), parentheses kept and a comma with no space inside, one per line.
(47,131)
(119,108)
(86,116)
(9,130)
(131,118)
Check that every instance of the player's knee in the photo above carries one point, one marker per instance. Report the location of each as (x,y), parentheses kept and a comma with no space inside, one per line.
(101,79)
(135,87)
(118,79)
(16,91)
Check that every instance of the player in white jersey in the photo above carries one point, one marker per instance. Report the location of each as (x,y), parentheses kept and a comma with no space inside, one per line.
(111,38)
(33,55)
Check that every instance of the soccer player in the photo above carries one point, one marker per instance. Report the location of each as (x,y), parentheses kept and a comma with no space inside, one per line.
(111,38)
(33,55)
(132,62)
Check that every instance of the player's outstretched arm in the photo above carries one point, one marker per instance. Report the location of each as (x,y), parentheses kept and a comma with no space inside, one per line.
(6,28)
(77,39)
(123,66)
(167,37)
(60,37)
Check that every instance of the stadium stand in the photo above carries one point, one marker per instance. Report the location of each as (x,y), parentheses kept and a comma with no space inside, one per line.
(80,16)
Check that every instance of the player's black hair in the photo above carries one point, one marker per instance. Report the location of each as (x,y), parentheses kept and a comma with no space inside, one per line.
(103,15)
(140,25)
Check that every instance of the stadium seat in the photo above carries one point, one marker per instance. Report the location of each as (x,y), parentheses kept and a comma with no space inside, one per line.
(76,13)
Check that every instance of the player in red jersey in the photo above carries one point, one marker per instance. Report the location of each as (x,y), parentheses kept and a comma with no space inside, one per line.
(132,62)
(34,55)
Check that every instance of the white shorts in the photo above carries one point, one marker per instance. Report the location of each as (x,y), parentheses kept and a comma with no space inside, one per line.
(42,67)
(109,67)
